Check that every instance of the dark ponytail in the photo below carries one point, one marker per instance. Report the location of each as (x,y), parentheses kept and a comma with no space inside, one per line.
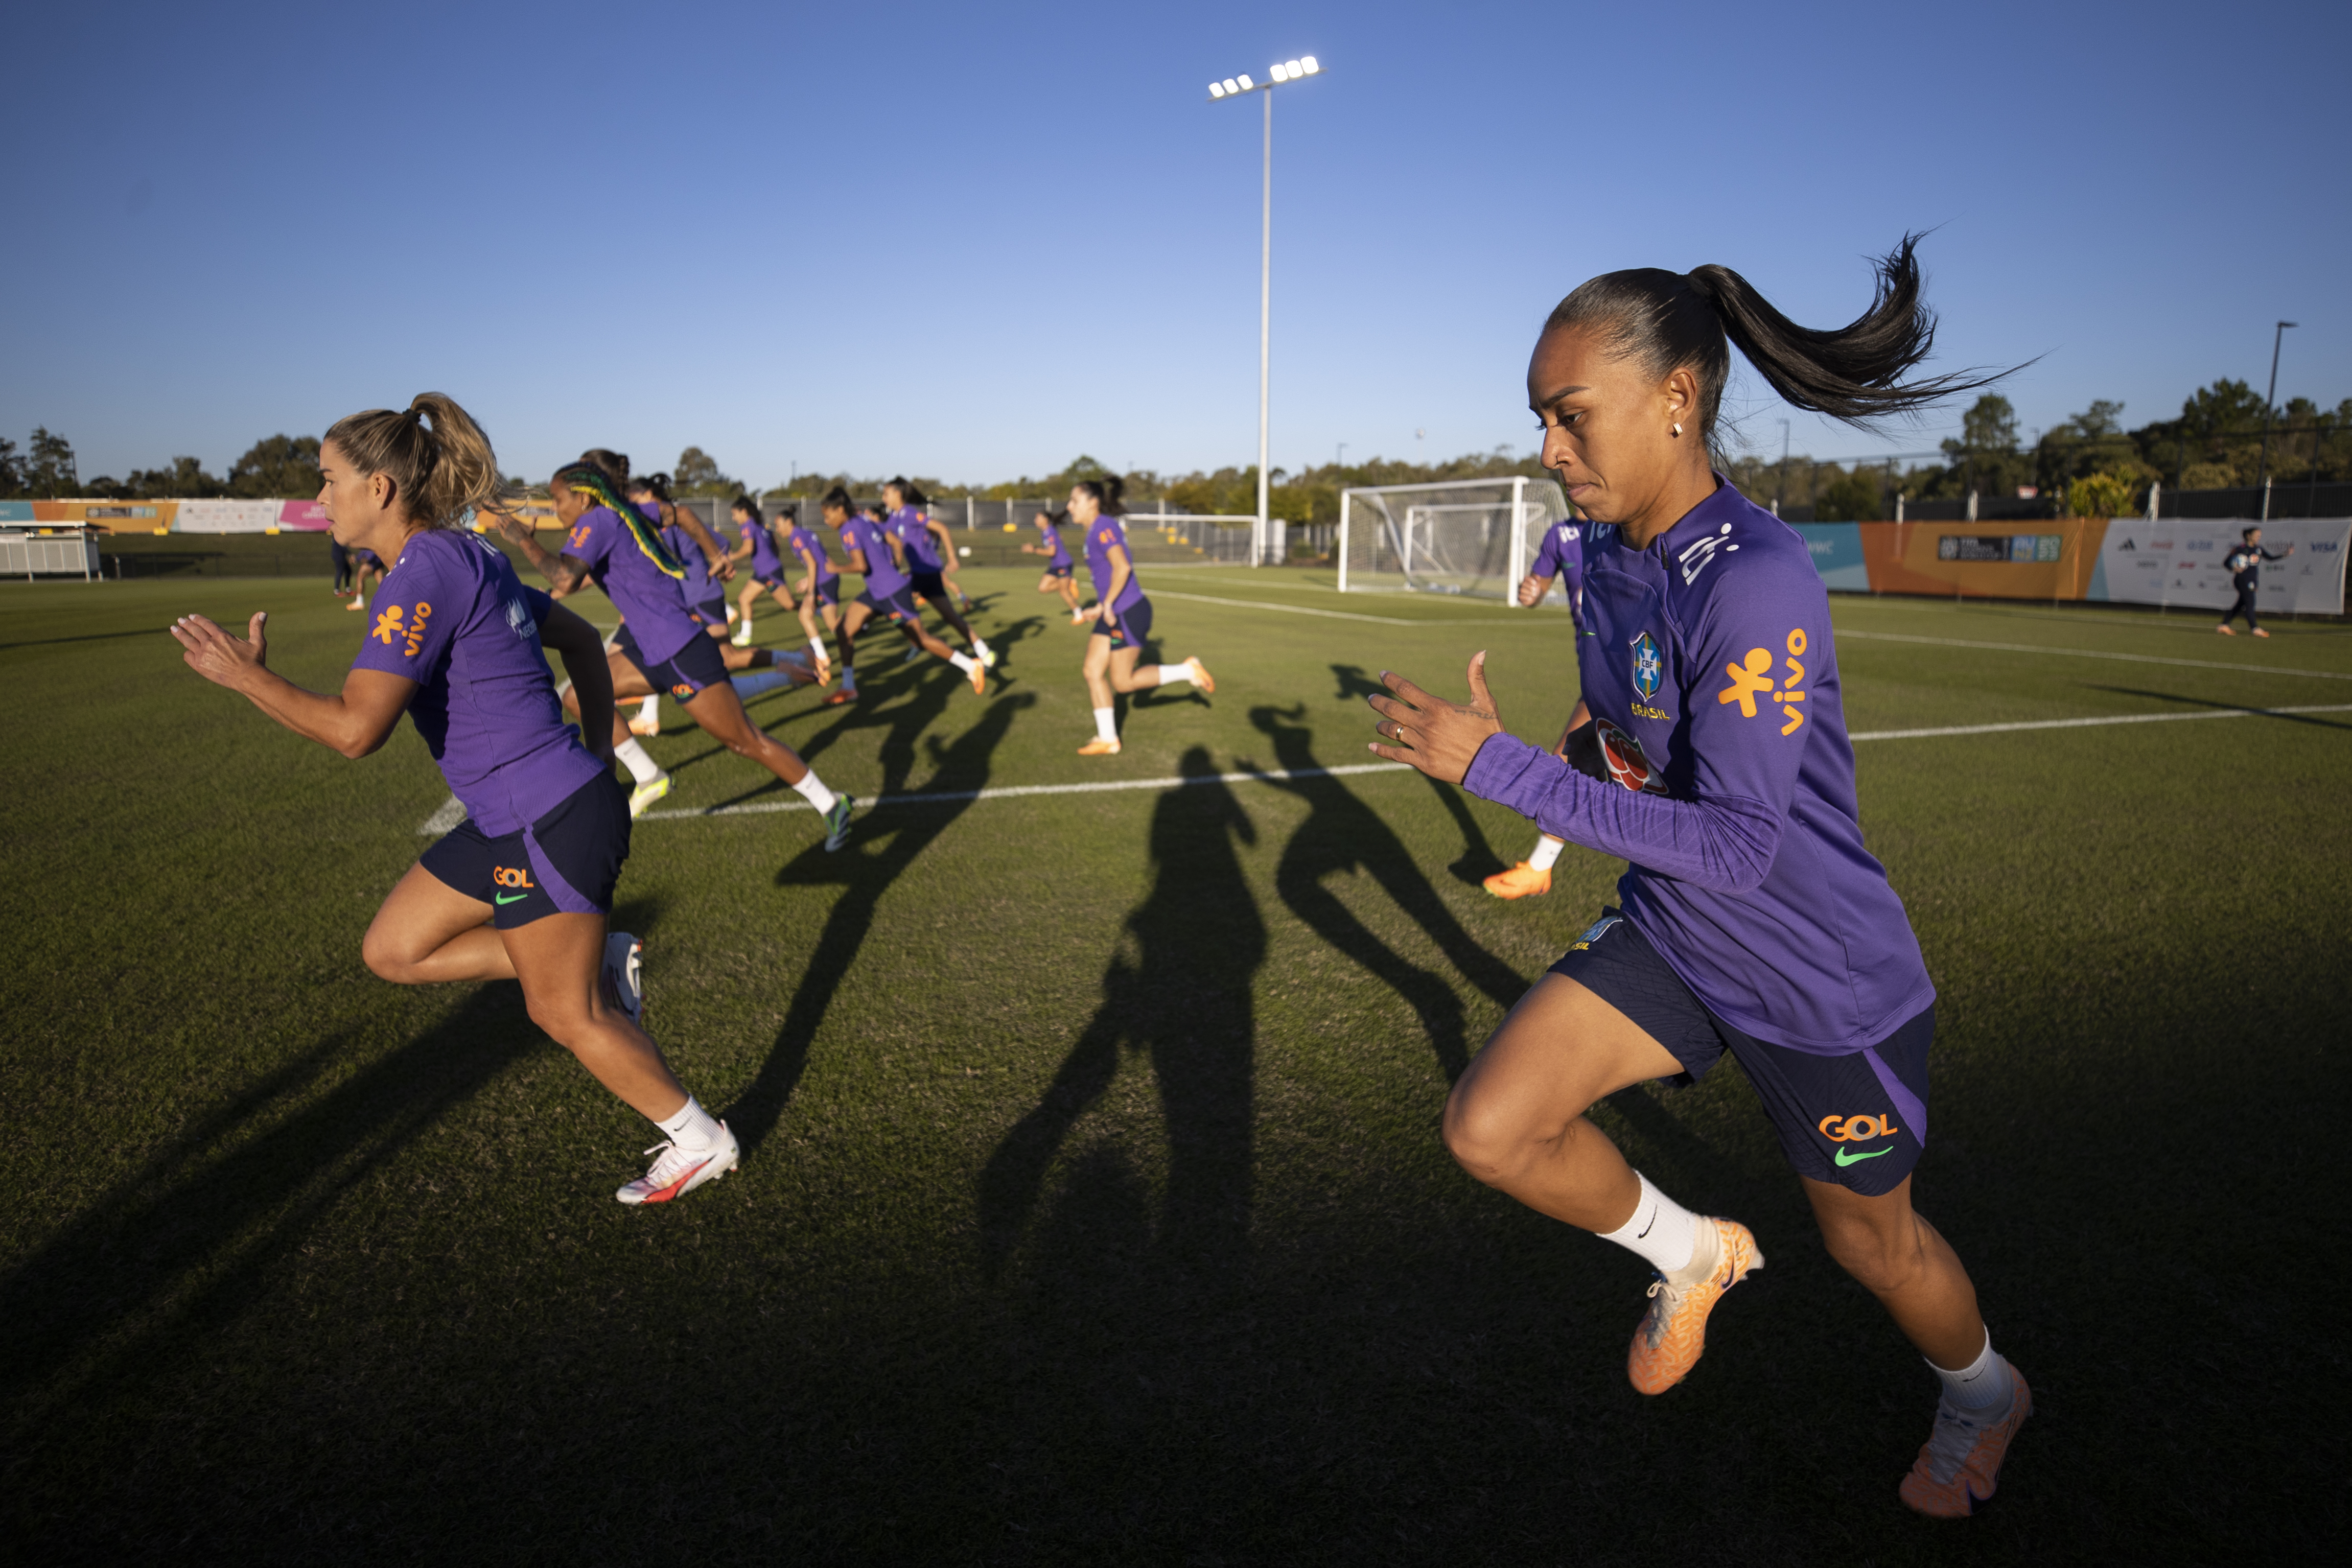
(1669,320)
(654,485)
(745,505)
(616,465)
(837,500)
(1106,492)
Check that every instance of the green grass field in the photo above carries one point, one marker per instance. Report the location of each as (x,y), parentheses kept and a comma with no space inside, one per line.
(1092,1207)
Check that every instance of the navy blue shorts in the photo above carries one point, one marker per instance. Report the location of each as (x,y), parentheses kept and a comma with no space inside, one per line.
(828,590)
(1061,570)
(566,863)
(1857,1120)
(930,585)
(774,580)
(684,673)
(709,612)
(898,606)
(1134,626)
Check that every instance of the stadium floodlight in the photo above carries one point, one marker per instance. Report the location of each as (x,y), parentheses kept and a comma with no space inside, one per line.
(1233,87)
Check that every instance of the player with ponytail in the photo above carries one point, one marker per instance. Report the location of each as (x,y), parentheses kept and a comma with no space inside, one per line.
(520,889)
(1715,762)
(1122,615)
(622,548)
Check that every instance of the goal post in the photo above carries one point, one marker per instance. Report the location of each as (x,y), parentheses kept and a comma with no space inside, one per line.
(1469,536)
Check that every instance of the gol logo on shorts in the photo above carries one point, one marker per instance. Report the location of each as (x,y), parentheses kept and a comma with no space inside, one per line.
(681,691)
(1856,1129)
(510,876)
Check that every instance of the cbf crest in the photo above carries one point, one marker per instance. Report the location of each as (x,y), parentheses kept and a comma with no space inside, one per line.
(1649,670)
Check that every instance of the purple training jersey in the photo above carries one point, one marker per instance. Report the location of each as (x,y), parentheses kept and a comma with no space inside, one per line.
(696,587)
(645,582)
(1054,537)
(883,577)
(1562,552)
(1713,682)
(763,548)
(1101,534)
(804,539)
(453,617)
(914,531)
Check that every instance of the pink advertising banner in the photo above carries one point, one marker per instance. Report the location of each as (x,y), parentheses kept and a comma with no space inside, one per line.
(307,516)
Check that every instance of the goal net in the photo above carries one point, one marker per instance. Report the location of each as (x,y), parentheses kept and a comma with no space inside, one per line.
(1474,537)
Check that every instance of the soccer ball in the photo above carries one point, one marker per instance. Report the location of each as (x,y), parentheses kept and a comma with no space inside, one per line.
(1010,529)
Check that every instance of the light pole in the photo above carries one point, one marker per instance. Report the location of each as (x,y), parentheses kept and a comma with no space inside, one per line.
(2262,474)
(1234,87)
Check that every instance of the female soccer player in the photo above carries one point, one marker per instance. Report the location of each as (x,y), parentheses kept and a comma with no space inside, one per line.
(926,548)
(365,563)
(1059,577)
(1124,616)
(618,545)
(1561,554)
(757,552)
(519,891)
(872,552)
(706,570)
(1753,920)
(819,592)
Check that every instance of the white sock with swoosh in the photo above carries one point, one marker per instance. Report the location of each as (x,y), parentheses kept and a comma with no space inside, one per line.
(1981,1384)
(1661,1230)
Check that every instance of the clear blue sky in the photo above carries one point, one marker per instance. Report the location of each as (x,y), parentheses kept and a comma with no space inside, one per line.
(976,241)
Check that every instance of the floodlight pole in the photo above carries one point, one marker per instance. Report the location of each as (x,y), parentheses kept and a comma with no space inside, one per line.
(2262,475)
(1293,70)
(1265,325)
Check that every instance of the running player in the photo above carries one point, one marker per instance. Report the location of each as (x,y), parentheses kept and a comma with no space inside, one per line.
(2245,565)
(819,592)
(1562,555)
(924,544)
(520,890)
(1124,616)
(873,552)
(757,551)
(708,566)
(1060,576)
(1752,918)
(365,563)
(618,545)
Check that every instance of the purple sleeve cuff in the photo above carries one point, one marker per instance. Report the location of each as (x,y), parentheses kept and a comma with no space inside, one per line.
(1725,844)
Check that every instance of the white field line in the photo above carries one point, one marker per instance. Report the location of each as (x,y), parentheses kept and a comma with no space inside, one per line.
(1326,614)
(2094,723)
(451,813)
(1844,631)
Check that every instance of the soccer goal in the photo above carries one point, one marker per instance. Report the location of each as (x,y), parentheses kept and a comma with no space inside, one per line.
(1470,537)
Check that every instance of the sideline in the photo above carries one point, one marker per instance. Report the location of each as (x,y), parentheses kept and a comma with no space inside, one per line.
(451,813)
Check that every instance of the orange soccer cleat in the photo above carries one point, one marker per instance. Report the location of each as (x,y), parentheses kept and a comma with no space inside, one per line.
(1959,1464)
(1673,1335)
(1522,881)
(1099,748)
(1202,678)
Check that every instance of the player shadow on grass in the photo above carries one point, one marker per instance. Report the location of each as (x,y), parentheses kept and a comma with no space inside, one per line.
(136,1285)
(1342,834)
(1478,861)
(880,851)
(1185,999)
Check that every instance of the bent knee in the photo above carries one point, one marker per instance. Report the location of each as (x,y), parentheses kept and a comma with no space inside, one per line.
(1485,1140)
(387,960)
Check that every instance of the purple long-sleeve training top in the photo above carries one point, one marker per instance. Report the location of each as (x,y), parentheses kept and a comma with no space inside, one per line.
(1711,679)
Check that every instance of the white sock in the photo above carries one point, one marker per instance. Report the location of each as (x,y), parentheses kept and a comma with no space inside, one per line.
(693,1129)
(1175,674)
(563,691)
(649,710)
(812,789)
(1546,851)
(1981,1384)
(1661,1230)
(641,767)
(1105,726)
(963,661)
(816,646)
(751,683)
(979,647)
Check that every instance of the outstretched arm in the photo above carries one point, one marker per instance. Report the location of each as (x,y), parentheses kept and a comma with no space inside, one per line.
(566,573)
(582,648)
(721,564)
(354,721)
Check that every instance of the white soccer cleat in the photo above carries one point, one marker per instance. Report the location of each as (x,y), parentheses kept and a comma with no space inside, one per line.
(644,795)
(677,1173)
(742,636)
(624,974)
(988,658)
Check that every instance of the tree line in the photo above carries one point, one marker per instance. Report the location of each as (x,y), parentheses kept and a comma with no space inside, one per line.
(2088,465)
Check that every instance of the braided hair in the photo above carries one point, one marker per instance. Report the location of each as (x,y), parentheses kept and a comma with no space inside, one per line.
(594,482)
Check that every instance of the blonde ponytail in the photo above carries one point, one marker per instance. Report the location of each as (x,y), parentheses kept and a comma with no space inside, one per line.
(438,460)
